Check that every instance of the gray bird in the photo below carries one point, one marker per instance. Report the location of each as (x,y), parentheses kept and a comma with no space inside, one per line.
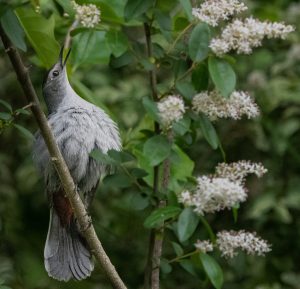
(78,127)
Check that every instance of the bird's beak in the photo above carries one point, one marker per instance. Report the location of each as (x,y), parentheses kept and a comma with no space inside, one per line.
(61,57)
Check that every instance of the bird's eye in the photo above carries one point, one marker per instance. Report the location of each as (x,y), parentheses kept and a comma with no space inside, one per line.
(55,73)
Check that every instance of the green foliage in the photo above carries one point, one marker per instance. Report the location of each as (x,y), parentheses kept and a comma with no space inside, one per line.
(209,131)
(161,215)
(187,224)
(212,269)
(40,33)
(199,42)
(222,75)
(135,8)
(156,149)
(109,67)
(13,30)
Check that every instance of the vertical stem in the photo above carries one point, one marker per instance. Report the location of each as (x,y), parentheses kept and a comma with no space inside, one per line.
(153,83)
(155,243)
(159,233)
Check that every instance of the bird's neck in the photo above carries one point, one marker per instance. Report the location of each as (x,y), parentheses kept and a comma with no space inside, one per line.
(57,96)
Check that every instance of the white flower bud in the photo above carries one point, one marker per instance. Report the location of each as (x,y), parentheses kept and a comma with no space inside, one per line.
(229,242)
(215,106)
(171,109)
(88,14)
(213,11)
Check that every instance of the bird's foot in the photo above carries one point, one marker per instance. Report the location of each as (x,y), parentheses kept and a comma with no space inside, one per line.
(88,224)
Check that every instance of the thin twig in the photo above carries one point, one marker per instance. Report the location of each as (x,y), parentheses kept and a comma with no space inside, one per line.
(178,37)
(183,256)
(68,38)
(60,165)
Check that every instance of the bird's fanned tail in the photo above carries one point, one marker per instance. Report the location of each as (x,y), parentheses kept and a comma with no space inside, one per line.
(66,255)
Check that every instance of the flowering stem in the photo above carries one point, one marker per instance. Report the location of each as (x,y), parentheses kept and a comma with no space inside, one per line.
(183,256)
(68,37)
(208,228)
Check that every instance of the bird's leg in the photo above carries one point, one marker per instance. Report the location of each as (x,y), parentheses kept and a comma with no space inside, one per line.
(82,229)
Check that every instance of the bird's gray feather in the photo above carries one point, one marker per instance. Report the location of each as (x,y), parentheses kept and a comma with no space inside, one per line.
(79,127)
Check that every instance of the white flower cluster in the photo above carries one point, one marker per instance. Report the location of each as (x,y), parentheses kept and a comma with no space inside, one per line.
(229,242)
(236,172)
(88,14)
(244,35)
(213,11)
(213,194)
(224,189)
(204,246)
(214,105)
(171,109)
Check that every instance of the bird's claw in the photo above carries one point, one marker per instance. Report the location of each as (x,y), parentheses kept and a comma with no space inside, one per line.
(88,225)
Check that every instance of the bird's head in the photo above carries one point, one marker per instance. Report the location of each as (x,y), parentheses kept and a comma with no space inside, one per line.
(56,84)
(56,76)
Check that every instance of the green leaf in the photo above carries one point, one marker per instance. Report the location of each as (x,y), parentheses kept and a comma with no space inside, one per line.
(182,126)
(138,173)
(200,77)
(6,104)
(40,33)
(212,269)
(120,156)
(177,248)
(199,42)
(160,215)
(186,89)
(90,47)
(118,180)
(165,23)
(151,107)
(117,42)
(166,268)
(182,166)
(67,6)
(111,11)
(123,60)
(135,8)
(187,224)
(223,75)
(209,131)
(24,131)
(156,149)
(188,266)
(5,116)
(186,4)
(22,111)
(13,29)
(139,202)
(164,20)
(102,157)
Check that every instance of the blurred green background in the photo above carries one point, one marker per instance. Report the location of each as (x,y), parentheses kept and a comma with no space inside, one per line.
(271,74)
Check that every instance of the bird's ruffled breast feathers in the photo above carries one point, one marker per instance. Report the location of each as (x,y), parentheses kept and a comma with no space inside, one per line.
(77,132)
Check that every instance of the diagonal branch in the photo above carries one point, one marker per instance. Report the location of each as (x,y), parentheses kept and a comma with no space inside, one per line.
(60,165)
